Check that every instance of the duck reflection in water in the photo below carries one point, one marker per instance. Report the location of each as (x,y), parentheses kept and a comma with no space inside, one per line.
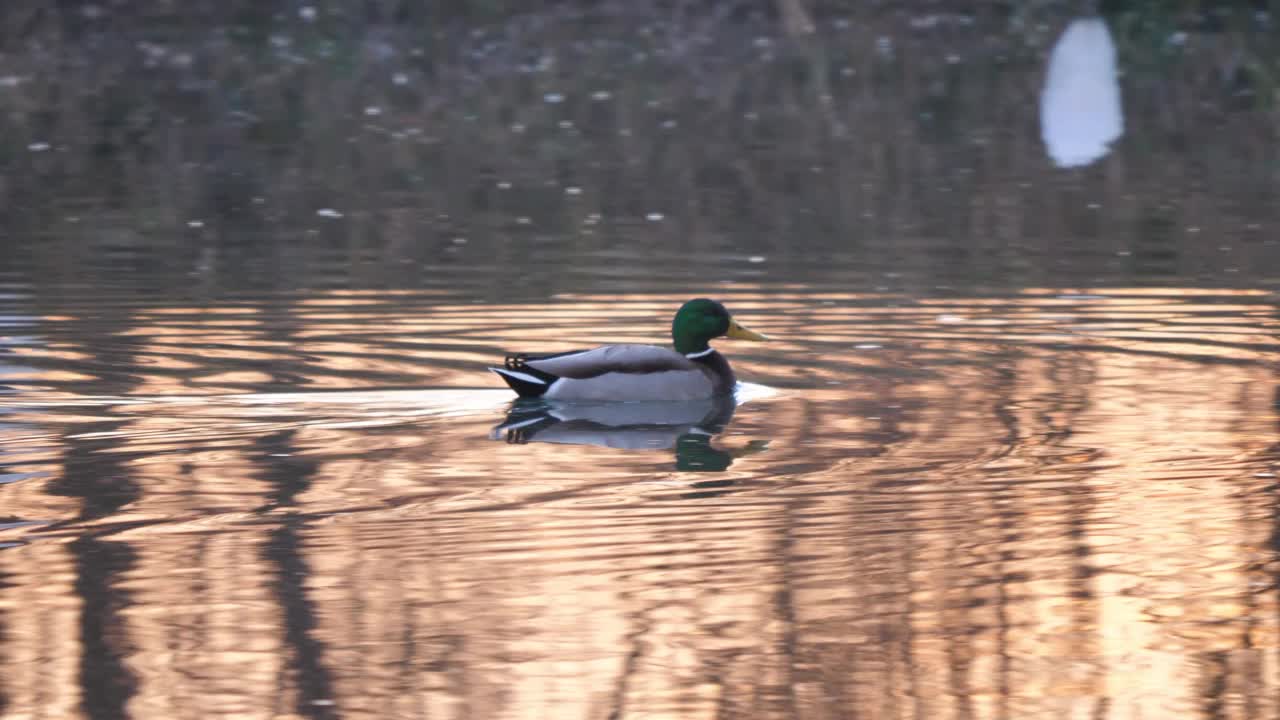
(686,427)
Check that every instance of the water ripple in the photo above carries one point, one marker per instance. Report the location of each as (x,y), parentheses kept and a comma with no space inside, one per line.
(1063,486)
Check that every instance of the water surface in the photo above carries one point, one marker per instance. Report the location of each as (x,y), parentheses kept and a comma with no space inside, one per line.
(1054,500)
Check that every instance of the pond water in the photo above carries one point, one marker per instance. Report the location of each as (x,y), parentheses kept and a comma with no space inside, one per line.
(1011,451)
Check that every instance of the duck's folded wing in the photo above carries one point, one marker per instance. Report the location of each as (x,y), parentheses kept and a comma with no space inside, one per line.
(583,364)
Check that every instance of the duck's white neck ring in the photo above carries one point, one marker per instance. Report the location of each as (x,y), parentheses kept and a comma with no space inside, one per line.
(700,353)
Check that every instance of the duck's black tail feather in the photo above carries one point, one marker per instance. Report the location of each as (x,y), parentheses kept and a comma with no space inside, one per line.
(525,380)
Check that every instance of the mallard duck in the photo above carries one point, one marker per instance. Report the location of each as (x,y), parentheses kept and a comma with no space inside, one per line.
(692,371)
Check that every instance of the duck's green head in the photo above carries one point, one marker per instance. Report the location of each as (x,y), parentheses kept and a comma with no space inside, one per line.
(700,320)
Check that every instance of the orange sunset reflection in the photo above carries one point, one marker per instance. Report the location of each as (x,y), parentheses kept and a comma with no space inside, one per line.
(1048,504)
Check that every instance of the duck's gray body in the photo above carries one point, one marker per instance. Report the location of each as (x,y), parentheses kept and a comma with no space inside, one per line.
(620,373)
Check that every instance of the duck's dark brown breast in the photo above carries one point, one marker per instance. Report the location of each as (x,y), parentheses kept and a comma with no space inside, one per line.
(717,368)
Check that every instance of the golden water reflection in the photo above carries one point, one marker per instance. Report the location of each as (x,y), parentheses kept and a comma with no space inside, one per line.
(1052,504)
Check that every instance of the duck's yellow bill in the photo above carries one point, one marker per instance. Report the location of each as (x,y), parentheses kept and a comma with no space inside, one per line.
(738,332)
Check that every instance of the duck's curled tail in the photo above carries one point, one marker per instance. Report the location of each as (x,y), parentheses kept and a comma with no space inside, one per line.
(525,380)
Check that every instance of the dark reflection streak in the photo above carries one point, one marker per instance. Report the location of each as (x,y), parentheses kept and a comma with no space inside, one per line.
(289,476)
(1216,670)
(724,709)
(908,641)
(1009,519)
(97,474)
(784,599)
(1252,682)
(314,683)
(893,417)
(630,663)
(106,683)
(1009,523)
(959,646)
(1005,385)
(286,473)
(203,630)
(92,472)
(1273,542)
(1255,684)
(4,645)
(441,653)
(410,651)
(1071,376)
